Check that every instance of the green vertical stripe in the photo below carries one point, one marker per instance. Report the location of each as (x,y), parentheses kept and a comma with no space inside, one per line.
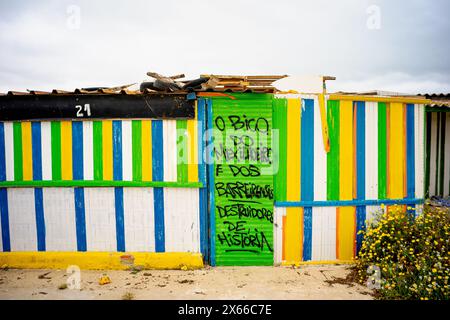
(438,127)
(18,156)
(333,154)
(98,150)
(136,133)
(442,165)
(280,124)
(382,151)
(428,119)
(56,150)
(182,157)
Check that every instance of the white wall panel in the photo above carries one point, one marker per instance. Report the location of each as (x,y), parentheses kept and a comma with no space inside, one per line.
(320,157)
(170,149)
(46,144)
(88,151)
(139,219)
(279,213)
(419,150)
(22,219)
(127,152)
(100,219)
(324,233)
(181,219)
(9,150)
(371,151)
(60,221)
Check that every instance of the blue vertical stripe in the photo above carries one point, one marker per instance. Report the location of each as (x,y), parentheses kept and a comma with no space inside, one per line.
(157,151)
(2,153)
(77,150)
(80,219)
(40,222)
(4,216)
(158,205)
(117,149)
(410,157)
(201,125)
(158,175)
(36,146)
(360,109)
(118,192)
(4,219)
(307,172)
(120,227)
(410,152)
(307,149)
(210,168)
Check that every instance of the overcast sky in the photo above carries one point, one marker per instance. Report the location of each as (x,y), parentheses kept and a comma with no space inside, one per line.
(395,45)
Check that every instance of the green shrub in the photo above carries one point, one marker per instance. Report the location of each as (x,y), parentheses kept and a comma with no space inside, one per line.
(412,254)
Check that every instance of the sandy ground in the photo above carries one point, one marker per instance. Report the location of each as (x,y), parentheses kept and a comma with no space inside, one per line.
(306,282)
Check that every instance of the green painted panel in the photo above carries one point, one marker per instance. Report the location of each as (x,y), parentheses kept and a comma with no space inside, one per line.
(243,176)
(333,154)
(427,153)
(280,126)
(442,155)
(382,151)
(56,150)
(136,137)
(98,150)
(18,156)
(182,148)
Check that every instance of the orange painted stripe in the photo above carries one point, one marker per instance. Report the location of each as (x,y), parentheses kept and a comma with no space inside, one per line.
(283,250)
(337,233)
(388,125)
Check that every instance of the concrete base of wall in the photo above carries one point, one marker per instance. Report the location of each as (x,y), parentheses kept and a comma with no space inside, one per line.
(101,260)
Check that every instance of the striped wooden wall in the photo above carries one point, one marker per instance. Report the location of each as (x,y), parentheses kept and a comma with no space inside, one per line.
(107,185)
(438,154)
(106,150)
(100,219)
(323,198)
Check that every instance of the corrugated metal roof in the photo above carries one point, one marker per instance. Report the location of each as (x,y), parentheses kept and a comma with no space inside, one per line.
(438,100)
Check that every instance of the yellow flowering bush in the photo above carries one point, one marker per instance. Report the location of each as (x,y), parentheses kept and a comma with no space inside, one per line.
(412,255)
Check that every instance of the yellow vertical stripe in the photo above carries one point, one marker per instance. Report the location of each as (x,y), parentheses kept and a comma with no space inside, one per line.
(346,215)
(66,150)
(294,216)
(146,150)
(192,131)
(293,150)
(396,151)
(107,142)
(27,151)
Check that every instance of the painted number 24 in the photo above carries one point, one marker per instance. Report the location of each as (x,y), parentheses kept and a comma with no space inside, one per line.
(87,109)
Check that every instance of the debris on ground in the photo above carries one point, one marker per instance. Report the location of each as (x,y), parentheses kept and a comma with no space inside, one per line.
(349,280)
(44,276)
(104,280)
(128,296)
(62,286)
(186,281)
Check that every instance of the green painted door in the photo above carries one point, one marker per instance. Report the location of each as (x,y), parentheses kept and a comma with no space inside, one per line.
(243,180)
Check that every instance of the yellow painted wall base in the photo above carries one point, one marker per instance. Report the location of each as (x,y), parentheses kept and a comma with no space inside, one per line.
(302,263)
(101,260)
